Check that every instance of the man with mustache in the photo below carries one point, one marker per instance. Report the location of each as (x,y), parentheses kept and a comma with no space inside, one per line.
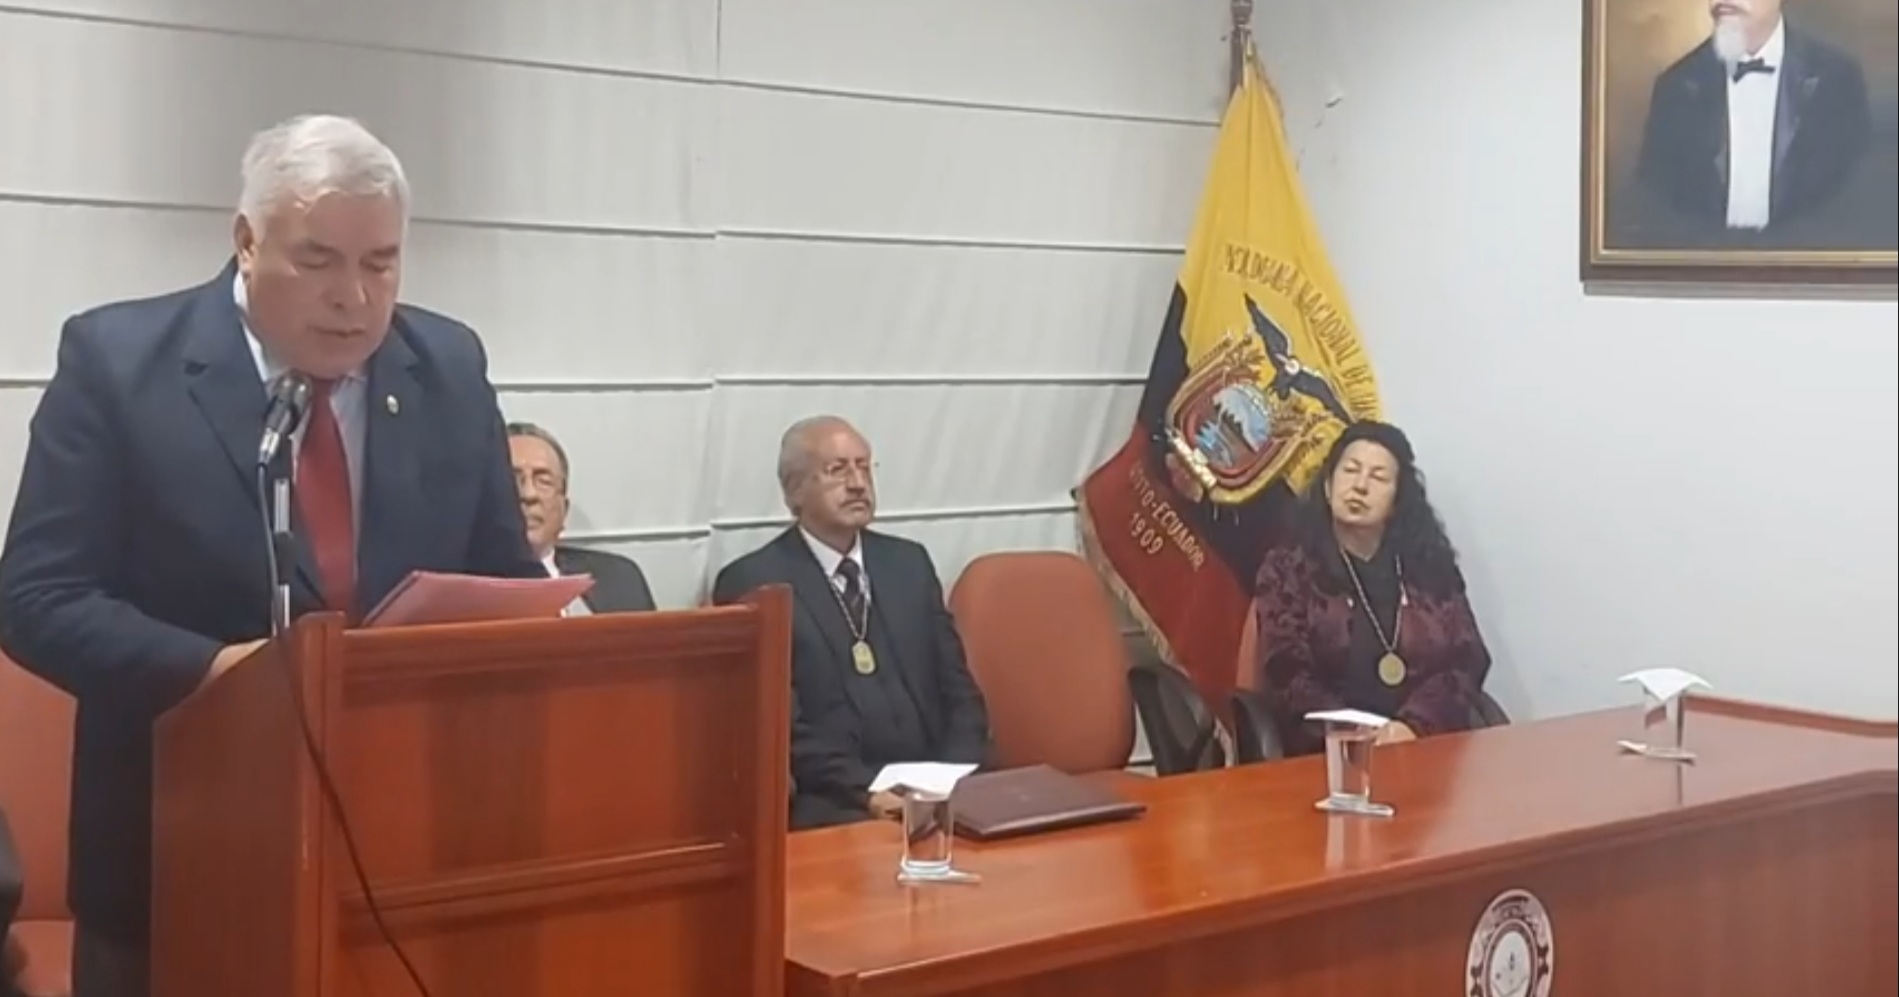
(1758,124)
(877,669)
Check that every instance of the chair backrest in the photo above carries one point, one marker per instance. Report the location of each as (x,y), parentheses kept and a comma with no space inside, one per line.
(1487,712)
(36,750)
(1181,731)
(1040,635)
(1246,663)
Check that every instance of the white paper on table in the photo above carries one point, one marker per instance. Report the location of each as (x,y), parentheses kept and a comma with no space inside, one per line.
(1356,718)
(1664,685)
(935,778)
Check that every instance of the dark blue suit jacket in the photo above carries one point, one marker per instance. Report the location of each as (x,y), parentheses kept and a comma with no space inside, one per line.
(830,775)
(136,548)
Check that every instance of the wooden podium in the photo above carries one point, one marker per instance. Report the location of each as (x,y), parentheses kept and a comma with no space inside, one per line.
(561,808)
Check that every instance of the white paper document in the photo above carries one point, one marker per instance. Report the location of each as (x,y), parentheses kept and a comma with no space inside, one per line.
(1356,718)
(1665,684)
(935,778)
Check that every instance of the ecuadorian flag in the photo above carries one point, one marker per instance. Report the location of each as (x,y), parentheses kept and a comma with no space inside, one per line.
(1258,370)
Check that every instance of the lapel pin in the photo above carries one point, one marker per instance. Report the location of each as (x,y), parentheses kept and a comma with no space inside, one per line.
(394,406)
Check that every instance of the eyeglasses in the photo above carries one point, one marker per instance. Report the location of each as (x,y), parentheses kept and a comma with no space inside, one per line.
(840,472)
(542,482)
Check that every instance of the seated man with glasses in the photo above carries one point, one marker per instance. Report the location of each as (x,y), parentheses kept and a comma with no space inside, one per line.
(540,476)
(877,670)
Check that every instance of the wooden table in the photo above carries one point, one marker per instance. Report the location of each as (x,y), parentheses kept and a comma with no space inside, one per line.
(1766,868)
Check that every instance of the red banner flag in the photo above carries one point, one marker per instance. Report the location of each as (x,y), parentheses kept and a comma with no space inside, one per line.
(1258,369)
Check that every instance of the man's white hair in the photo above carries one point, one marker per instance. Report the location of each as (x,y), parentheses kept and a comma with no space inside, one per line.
(797,453)
(311,155)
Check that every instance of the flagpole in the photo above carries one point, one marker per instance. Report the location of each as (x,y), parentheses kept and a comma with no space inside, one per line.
(1243,52)
(1241,41)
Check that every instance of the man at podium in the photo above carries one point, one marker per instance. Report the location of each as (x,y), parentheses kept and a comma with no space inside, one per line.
(135,565)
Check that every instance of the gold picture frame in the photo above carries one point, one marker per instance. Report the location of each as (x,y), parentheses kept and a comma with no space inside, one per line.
(1802,94)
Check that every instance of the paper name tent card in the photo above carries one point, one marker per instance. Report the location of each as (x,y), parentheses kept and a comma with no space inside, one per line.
(1350,719)
(1665,685)
(428,597)
(933,778)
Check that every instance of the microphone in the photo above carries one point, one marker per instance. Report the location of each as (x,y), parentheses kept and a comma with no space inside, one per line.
(289,398)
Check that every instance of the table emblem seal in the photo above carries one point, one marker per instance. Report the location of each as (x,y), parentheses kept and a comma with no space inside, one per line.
(1513,951)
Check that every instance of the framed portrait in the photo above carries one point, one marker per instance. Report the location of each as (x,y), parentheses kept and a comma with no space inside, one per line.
(1747,141)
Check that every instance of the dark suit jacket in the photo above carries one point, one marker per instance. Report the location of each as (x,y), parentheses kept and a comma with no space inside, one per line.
(830,774)
(136,548)
(1305,614)
(619,586)
(1822,127)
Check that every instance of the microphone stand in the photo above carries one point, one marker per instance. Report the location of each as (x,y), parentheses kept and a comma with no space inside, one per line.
(274,473)
(273,494)
(289,395)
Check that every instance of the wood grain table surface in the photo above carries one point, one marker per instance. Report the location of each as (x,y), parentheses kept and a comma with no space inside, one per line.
(1220,851)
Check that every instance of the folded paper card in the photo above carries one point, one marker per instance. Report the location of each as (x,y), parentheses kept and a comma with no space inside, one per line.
(1350,718)
(1665,684)
(427,597)
(1664,713)
(934,778)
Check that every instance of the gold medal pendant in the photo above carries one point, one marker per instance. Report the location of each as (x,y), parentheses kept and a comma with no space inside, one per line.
(1391,670)
(866,662)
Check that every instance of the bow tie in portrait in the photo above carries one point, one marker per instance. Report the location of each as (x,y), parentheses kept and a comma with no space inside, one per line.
(1746,66)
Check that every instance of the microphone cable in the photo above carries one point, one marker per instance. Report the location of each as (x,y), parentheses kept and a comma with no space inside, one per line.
(317,761)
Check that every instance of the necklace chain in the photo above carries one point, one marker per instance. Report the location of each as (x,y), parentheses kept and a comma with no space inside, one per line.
(1397,619)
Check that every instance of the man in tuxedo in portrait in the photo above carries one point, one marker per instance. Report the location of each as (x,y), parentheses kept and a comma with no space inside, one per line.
(541,476)
(135,571)
(877,668)
(1757,125)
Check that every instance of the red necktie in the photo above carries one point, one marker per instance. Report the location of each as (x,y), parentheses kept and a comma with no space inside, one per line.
(323,499)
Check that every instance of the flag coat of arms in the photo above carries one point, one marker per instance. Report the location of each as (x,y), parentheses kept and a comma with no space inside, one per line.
(1258,370)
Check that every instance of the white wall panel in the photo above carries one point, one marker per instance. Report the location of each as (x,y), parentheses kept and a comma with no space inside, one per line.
(805,308)
(560,306)
(636,455)
(937,447)
(666,36)
(16,416)
(820,164)
(1128,57)
(480,140)
(65,258)
(620,307)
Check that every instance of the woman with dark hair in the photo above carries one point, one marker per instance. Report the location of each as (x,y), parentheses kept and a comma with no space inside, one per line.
(1363,607)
